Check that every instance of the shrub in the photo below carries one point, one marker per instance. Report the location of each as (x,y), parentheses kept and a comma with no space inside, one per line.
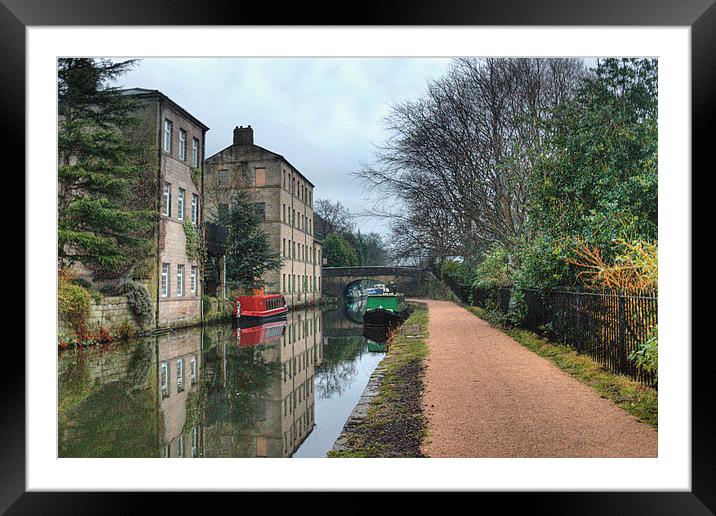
(74,303)
(103,336)
(517,308)
(646,355)
(138,299)
(493,269)
(635,266)
(206,302)
(125,331)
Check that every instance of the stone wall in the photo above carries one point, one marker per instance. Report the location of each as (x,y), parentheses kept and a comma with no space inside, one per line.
(109,313)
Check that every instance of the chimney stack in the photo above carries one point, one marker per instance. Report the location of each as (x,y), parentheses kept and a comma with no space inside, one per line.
(243,135)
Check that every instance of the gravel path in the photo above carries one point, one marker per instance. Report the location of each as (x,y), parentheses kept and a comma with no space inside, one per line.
(487,396)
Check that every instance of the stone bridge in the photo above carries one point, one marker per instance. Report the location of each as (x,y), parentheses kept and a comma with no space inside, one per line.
(411,281)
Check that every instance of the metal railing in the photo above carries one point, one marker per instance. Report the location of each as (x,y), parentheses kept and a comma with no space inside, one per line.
(606,325)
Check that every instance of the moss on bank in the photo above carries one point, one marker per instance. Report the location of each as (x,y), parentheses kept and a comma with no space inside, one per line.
(394,425)
(630,395)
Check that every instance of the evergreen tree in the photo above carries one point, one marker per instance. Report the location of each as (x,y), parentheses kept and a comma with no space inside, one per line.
(338,252)
(248,253)
(99,221)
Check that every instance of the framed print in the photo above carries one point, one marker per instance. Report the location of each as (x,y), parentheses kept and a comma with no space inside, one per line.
(413,251)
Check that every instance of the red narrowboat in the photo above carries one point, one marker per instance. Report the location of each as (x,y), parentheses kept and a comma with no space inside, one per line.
(260,307)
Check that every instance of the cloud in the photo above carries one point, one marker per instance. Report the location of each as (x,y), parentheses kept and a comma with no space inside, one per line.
(323,114)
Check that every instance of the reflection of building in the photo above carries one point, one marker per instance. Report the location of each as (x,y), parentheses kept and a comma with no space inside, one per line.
(301,353)
(278,415)
(195,393)
(179,368)
(284,200)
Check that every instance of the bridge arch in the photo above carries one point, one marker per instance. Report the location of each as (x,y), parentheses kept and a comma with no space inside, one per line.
(408,280)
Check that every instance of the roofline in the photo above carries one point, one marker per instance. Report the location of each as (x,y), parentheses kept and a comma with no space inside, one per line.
(147,93)
(280,156)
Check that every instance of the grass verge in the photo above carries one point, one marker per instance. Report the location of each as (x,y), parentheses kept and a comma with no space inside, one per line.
(394,425)
(637,399)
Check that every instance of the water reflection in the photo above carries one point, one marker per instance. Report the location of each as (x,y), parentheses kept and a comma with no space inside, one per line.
(217,391)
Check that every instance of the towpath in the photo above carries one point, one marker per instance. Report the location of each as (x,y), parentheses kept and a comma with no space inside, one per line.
(488,396)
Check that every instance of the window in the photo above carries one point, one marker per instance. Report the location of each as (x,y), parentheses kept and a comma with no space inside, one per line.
(164,379)
(193,279)
(182,144)
(167,200)
(284,283)
(260,176)
(284,247)
(180,375)
(192,370)
(194,208)
(223,177)
(260,210)
(180,446)
(194,441)
(194,152)
(180,280)
(284,213)
(180,203)
(167,135)
(165,280)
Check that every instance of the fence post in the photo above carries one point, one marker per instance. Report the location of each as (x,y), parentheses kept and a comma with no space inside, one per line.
(621,338)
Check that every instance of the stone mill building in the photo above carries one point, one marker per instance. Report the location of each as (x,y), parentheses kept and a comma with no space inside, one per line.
(283,198)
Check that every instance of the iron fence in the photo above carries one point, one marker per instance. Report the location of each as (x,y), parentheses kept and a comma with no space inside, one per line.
(606,325)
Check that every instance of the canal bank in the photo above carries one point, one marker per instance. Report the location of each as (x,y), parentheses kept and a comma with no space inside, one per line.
(388,420)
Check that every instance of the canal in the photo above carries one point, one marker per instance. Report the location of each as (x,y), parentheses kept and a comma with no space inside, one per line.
(282,389)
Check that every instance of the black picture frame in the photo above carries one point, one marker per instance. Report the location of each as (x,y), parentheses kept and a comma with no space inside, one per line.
(700,15)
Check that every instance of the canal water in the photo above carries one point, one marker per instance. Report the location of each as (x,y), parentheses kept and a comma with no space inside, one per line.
(281,389)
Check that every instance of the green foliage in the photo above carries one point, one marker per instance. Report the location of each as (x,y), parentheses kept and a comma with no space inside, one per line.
(206,303)
(369,247)
(338,252)
(543,262)
(596,177)
(193,246)
(460,271)
(196,177)
(139,300)
(74,303)
(99,222)
(646,355)
(493,270)
(125,330)
(248,252)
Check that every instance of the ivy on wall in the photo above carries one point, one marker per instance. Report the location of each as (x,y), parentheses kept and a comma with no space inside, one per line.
(192,240)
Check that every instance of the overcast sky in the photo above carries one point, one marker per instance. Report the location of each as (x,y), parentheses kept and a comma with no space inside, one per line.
(323,114)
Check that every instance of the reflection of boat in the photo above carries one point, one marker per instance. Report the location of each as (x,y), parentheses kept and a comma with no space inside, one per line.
(260,307)
(260,333)
(386,310)
(376,334)
(354,311)
(356,292)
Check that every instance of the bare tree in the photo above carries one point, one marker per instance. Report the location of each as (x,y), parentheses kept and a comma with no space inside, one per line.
(331,217)
(458,160)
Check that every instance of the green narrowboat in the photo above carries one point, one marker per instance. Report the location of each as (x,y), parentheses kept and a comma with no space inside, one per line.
(386,310)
